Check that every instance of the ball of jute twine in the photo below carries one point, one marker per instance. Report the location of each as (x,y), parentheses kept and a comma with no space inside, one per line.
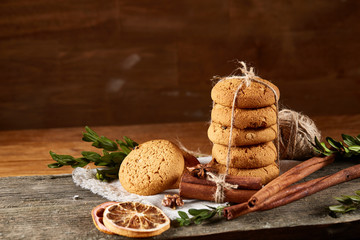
(297,131)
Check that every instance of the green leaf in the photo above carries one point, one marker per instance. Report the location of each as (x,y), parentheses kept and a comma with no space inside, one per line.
(196,212)
(81,162)
(106,158)
(199,215)
(198,221)
(90,135)
(118,157)
(318,144)
(348,153)
(337,208)
(183,215)
(99,142)
(54,165)
(130,142)
(354,198)
(107,174)
(321,152)
(326,149)
(349,203)
(350,208)
(111,170)
(181,221)
(337,145)
(349,140)
(91,156)
(344,199)
(124,147)
(113,158)
(355,148)
(187,222)
(101,164)
(106,144)
(63,159)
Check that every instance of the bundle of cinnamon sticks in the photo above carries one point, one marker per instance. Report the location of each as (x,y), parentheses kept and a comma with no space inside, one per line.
(197,188)
(280,191)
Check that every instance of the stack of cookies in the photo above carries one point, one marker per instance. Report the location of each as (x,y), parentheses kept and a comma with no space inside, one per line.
(253,152)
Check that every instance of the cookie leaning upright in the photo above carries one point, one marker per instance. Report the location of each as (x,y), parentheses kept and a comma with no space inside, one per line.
(151,167)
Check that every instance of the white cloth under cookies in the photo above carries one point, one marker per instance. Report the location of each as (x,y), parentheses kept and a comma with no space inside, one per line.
(113,191)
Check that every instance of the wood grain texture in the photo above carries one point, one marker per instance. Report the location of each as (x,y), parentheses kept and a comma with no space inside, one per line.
(42,207)
(122,62)
(26,152)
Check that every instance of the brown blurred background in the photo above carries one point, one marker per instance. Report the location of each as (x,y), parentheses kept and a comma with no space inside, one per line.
(76,63)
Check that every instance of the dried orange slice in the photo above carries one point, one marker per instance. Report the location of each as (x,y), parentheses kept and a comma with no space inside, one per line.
(97,216)
(133,219)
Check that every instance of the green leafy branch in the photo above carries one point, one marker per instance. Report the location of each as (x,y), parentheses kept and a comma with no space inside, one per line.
(348,204)
(114,153)
(199,215)
(350,147)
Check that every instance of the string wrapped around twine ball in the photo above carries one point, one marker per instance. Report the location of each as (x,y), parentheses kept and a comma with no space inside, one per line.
(297,131)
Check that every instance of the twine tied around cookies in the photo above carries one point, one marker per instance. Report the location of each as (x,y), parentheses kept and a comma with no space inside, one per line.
(248,76)
(221,185)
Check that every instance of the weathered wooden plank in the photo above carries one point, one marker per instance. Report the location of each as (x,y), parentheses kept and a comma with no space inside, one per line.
(42,207)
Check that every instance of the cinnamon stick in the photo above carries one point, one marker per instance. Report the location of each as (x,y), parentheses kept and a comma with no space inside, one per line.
(193,187)
(206,192)
(242,209)
(344,175)
(305,186)
(253,183)
(291,176)
(295,192)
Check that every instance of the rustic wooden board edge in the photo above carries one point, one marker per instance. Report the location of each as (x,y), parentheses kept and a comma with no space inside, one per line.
(215,229)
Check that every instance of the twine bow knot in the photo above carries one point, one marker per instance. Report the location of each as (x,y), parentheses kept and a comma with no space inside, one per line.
(221,185)
(248,75)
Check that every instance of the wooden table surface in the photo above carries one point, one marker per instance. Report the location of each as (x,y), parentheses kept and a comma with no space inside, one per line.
(24,156)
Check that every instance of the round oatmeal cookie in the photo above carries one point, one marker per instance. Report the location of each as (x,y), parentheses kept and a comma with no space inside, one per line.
(241,137)
(151,167)
(255,96)
(244,117)
(255,156)
(266,173)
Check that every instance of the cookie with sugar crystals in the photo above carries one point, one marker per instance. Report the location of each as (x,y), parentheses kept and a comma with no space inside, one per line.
(244,117)
(151,167)
(254,96)
(254,156)
(220,134)
(267,173)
